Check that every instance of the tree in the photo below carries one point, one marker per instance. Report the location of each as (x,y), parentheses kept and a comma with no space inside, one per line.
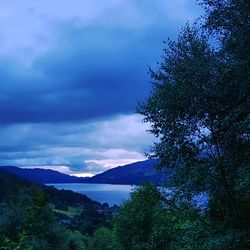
(27,222)
(199,109)
(151,221)
(88,221)
(75,240)
(138,224)
(104,239)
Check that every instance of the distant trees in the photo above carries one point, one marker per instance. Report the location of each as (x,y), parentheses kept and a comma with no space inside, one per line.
(88,221)
(27,221)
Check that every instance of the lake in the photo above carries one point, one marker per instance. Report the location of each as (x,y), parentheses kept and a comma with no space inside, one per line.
(112,194)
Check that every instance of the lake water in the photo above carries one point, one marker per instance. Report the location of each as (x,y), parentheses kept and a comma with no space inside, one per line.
(112,194)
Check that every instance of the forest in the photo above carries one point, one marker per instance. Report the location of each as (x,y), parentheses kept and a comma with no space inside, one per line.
(198,109)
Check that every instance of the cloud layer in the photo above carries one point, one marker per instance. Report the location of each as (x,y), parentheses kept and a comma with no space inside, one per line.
(83,147)
(71,75)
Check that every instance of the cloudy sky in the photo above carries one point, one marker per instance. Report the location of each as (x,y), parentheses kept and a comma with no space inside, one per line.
(72,72)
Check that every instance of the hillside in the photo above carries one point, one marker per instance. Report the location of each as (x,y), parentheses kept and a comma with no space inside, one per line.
(39,175)
(35,215)
(11,184)
(133,174)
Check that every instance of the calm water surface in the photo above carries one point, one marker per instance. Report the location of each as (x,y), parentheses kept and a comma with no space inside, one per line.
(115,194)
(112,194)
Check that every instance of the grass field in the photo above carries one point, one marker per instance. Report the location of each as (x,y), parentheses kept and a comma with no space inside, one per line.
(71,212)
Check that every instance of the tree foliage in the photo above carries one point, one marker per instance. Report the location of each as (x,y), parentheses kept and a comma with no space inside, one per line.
(104,239)
(199,109)
(136,219)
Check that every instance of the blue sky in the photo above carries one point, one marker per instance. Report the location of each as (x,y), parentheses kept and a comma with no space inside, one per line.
(72,73)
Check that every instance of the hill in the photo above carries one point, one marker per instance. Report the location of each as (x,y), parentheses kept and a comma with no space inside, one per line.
(39,175)
(134,174)
(131,174)
(39,216)
(11,184)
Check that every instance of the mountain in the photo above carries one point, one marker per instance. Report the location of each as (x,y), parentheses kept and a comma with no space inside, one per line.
(25,205)
(11,183)
(133,174)
(43,175)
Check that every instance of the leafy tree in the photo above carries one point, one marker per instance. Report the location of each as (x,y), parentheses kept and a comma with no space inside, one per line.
(20,244)
(199,108)
(75,241)
(27,222)
(153,220)
(139,222)
(104,239)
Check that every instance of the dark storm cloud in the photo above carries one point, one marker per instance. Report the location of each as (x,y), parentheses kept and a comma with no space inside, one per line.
(94,72)
(72,75)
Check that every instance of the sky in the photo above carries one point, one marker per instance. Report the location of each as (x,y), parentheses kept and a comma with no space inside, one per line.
(72,73)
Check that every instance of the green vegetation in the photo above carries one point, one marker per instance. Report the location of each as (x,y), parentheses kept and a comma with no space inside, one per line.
(29,220)
(104,239)
(199,109)
(69,211)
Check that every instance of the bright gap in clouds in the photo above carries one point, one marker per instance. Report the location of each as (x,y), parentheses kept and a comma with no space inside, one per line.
(62,169)
(81,149)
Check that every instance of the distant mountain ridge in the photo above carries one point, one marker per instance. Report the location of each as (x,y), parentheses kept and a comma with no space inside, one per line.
(133,174)
(43,175)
